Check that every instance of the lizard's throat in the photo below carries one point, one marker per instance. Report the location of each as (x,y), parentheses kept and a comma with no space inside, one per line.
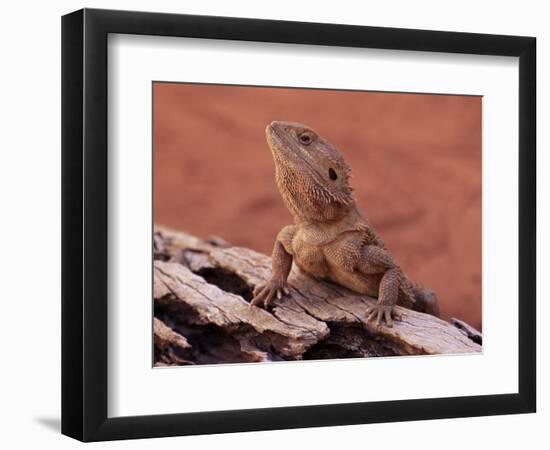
(309,202)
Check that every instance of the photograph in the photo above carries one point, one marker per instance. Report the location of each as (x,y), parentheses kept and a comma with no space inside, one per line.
(295,224)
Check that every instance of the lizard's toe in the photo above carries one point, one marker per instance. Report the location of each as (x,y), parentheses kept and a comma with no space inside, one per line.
(387,317)
(265,294)
(396,314)
(382,314)
(269,298)
(260,293)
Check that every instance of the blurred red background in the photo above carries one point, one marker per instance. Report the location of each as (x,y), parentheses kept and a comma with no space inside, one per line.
(416,170)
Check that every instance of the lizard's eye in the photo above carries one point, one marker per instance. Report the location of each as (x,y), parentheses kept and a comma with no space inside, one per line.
(305,138)
(332,174)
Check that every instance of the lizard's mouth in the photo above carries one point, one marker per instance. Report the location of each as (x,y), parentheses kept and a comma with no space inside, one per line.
(281,143)
(278,143)
(274,139)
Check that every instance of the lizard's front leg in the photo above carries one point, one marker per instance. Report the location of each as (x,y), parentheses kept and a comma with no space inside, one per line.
(281,262)
(374,260)
(387,298)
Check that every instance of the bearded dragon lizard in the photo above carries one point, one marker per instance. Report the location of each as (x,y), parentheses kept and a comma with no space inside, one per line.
(330,239)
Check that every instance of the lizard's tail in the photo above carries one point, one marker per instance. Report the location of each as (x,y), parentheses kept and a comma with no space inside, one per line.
(426,301)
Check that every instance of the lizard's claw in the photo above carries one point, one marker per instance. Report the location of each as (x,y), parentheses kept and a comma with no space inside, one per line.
(264,294)
(382,313)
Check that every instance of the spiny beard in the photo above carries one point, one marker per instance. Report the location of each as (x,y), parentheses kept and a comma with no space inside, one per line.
(308,200)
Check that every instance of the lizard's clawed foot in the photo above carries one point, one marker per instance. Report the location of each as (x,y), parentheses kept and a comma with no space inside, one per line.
(265,294)
(382,313)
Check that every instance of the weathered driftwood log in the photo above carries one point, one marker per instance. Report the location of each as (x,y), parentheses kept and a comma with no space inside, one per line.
(202,290)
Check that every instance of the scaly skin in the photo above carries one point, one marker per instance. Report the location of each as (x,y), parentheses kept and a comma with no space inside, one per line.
(330,239)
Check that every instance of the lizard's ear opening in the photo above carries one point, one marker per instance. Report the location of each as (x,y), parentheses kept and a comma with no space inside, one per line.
(332,174)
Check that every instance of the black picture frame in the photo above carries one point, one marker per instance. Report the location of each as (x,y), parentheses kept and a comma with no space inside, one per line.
(84,224)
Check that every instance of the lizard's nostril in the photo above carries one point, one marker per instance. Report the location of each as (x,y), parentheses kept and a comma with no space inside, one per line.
(270,128)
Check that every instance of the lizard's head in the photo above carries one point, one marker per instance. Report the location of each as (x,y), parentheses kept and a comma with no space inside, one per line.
(311,175)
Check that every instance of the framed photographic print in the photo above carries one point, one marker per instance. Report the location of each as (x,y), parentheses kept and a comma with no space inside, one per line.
(273,224)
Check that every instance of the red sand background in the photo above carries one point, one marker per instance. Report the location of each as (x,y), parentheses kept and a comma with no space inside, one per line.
(416,170)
